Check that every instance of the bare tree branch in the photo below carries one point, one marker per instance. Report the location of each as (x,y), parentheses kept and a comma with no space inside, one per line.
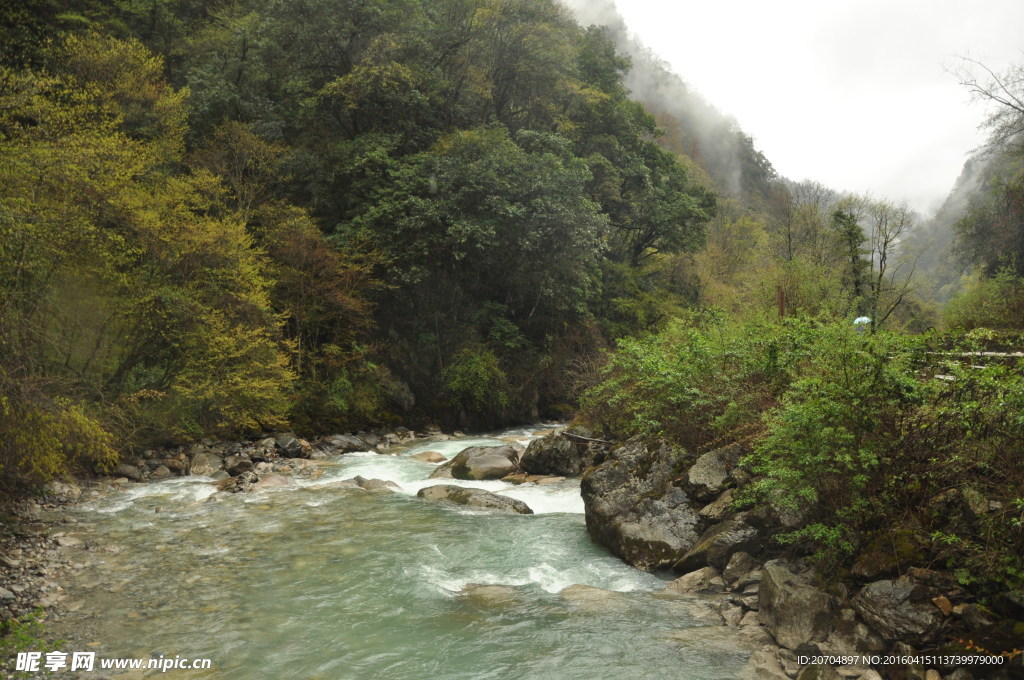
(1006,90)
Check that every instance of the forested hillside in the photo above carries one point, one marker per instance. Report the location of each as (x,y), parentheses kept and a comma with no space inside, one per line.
(232,217)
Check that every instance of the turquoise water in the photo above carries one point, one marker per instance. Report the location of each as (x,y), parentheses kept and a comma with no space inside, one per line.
(337,583)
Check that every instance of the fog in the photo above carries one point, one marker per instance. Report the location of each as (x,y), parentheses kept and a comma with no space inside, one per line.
(858,96)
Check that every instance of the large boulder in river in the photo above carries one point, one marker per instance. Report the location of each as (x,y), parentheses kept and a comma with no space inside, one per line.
(474,498)
(205,464)
(634,508)
(556,454)
(900,610)
(480,462)
(793,610)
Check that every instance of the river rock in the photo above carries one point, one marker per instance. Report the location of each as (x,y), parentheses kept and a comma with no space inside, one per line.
(1010,603)
(718,508)
(273,482)
(342,484)
(821,672)
(764,665)
(242,483)
(739,565)
(130,471)
(492,595)
(160,472)
(475,498)
(204,464)
(65,490)
(899,610)
(594,600)
(710,473)
(293,446)
(177,465)
(633,508)
(852,635)
(236,465)
(344,443)
(705,580)
(429,457)
(975,615)
(716,545)
(480,462)
(556,455)
(792,610)
(374,484)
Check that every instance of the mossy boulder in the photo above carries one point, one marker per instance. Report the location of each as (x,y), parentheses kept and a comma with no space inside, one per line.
(634,509)
(888,553)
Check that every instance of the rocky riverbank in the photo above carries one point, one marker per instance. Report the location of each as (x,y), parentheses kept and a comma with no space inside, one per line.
(32,555)
(659,509)
(39,548)
(654,508)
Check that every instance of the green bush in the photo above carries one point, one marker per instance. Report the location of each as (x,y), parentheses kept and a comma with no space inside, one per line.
(42,439)
(832,443)
(996,302)
(475,381)
(696,381)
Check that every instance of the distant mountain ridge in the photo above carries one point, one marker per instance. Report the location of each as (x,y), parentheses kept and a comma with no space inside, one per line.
(693,126)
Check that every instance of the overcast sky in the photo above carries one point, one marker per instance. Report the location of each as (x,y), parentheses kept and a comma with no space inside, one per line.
(852,93)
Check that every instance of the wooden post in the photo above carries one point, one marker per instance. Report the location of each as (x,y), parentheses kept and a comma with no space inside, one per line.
(780,295)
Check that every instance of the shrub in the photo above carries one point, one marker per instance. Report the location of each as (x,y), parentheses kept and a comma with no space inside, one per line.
(996,302)
(831,444)
(696,381)
(41,439)
(474,381)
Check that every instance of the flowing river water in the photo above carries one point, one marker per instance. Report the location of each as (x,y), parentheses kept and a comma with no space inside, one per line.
(339,583)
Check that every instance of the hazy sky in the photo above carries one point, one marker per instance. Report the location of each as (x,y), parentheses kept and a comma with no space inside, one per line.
(852,93)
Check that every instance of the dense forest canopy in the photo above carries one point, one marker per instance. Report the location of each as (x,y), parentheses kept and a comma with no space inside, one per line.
(229,217)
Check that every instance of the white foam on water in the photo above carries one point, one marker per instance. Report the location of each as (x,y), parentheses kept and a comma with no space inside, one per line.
(411,475)
(549,498)
(529,432)
(444,582)
(180,490)
(548,577)
(450,449)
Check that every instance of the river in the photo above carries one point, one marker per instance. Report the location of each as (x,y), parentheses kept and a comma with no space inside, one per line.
(320,583)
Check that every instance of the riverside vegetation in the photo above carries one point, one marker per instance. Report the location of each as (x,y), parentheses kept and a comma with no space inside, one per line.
(233,219)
